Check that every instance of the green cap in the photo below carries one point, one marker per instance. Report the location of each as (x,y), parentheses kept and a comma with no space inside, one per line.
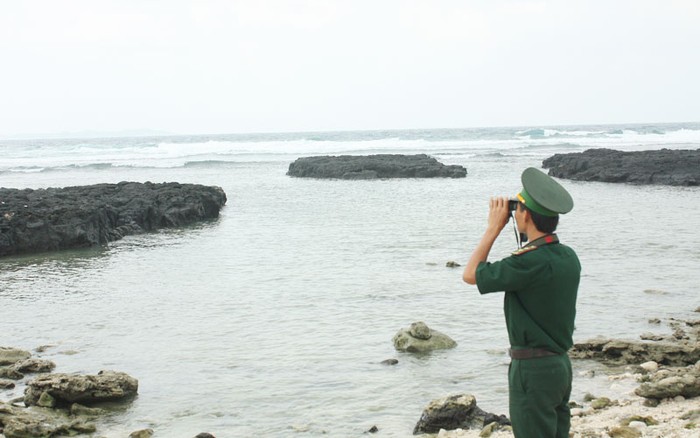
(543,195)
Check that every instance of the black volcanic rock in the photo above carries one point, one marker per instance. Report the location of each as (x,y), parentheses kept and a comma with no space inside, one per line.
(84,216)
(374,167)
(665,166)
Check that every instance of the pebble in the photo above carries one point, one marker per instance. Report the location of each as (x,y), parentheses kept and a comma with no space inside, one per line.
(390,362)
(444,433)
(638,424)
(452,264)
(650,367)
(651,403)
(624,432)
(679,398)
(488,430)
(601,403)
(143,433)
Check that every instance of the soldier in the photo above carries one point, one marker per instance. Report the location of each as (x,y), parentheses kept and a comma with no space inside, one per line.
(540,282)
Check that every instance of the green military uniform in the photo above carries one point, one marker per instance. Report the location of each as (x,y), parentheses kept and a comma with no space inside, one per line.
(540,283)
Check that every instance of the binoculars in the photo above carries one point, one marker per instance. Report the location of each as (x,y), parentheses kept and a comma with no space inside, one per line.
(513,204)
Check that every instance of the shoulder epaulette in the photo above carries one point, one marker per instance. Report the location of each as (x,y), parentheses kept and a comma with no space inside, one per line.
(524,249)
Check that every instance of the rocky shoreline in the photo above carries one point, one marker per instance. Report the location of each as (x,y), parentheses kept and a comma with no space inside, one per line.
(60,404)
(55,404)
(78,217)
(373,167)
(665,166)
(664,404)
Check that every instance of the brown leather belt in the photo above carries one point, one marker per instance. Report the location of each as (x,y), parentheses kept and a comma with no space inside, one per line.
(530,353)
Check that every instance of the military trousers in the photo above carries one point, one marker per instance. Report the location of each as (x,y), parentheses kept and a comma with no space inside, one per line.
(539,391)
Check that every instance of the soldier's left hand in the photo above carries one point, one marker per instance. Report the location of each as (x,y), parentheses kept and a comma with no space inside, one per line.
(498,213)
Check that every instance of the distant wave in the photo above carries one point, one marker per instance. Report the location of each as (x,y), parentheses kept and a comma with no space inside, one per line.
(551,146)
(66,167)
(23,169)
(88,166)
(217,163)
(564,133)
(232,150)
(491,155)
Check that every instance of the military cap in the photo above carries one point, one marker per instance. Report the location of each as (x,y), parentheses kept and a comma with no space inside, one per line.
(543,195)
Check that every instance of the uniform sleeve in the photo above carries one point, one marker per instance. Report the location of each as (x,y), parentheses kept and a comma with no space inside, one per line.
(511,273)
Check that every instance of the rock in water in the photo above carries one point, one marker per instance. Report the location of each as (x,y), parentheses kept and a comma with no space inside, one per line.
(619,352)
(667,167)
(22,423)
(84,216)
(419,338)
(143,433)
(84,389)
(35,366)
(672,383)
(9,356)
(454,412)
(420,331)
(374,167)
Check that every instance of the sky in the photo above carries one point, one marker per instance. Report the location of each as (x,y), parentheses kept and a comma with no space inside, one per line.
(232,66)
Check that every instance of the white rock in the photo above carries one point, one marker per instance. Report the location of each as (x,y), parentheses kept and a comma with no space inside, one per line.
(623,376)
(650,366)
(576,412)
(638,424)
(300,427)
(679,398)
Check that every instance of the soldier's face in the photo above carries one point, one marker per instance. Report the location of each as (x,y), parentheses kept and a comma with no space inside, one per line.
(521,216)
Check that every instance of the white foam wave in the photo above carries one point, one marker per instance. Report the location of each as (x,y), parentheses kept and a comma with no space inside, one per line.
(178,152)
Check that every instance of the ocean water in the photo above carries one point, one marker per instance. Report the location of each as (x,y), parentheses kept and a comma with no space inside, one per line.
(273,319)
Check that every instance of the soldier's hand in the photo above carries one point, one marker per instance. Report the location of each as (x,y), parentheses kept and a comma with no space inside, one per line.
(498,213)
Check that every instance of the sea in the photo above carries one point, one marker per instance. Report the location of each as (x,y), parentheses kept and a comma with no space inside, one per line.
(273,320)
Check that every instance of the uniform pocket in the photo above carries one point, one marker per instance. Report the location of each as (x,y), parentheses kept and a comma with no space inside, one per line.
(549,375)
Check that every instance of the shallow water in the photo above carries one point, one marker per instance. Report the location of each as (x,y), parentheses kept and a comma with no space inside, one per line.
(272,319)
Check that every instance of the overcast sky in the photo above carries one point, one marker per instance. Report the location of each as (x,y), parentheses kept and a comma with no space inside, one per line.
(207,66)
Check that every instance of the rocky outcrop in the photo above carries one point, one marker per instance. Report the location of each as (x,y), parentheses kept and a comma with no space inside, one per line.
(34,365)
(680,349)
(50,407)
(669,383)
(668,368)
(374,167)
(76,217)
(620,352)
(18,422)
(419,338)
(10,356)
(667,167)
(455,412)
(83,389)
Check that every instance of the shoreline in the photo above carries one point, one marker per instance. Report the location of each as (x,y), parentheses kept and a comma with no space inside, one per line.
(589,422)
(653,388)
(657,398)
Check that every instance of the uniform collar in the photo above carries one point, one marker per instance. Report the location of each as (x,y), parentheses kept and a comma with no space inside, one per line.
(544,240)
